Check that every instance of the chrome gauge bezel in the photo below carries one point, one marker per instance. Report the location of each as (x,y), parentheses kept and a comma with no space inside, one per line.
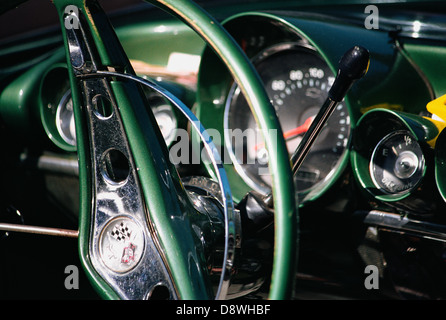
(235,90)
(54,95)
(65,120)
(419,170)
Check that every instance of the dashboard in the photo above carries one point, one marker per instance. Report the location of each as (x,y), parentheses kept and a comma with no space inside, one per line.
(380,156)
(296,59)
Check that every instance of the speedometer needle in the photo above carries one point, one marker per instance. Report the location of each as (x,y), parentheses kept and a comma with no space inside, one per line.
(299,130)
(290,134)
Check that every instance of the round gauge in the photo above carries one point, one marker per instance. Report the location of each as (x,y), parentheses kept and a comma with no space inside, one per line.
(164,115)
(166,120)
(65,119)
(297,81)
(56,107)
(397,163)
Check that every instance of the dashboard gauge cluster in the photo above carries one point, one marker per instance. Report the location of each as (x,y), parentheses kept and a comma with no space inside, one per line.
(57,114)
(395,159)
(297,79)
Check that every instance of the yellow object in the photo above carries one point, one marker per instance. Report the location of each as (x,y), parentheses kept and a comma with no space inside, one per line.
(438,109)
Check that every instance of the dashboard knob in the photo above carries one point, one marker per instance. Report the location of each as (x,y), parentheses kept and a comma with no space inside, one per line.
(352,66)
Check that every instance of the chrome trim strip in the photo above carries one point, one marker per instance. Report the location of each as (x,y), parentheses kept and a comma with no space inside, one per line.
(39,230)
(399,222)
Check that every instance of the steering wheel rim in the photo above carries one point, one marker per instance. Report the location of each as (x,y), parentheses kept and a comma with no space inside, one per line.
(285,220)
(252,87)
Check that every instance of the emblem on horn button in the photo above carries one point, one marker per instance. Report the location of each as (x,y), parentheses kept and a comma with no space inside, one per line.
(121,244)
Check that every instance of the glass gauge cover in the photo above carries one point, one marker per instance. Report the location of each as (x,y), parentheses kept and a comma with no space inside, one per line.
(397,164)
(164,115)
(297,81)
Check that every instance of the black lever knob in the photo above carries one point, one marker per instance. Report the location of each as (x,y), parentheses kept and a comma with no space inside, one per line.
(352,66)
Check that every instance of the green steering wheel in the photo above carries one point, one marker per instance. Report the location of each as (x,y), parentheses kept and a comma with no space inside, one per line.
(94,47)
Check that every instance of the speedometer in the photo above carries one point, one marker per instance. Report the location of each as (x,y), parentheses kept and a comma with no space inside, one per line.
(297,81)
